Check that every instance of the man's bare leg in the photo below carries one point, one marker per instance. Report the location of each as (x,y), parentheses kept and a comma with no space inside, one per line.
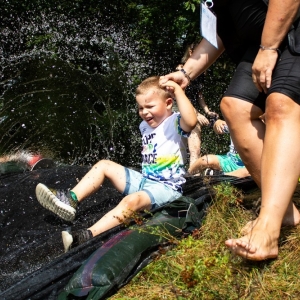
(277,171)
(246,119)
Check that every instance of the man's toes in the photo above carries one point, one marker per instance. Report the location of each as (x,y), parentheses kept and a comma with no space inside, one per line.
(240,246)
(230,243)
(245,245)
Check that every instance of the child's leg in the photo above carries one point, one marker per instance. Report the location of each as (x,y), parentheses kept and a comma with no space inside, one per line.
(206,161)
(241,172)
(93,180)
(129,205)
(64,203)
(132,203)
(194,144)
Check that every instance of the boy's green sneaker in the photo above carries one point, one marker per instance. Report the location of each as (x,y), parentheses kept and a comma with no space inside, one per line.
(59,202)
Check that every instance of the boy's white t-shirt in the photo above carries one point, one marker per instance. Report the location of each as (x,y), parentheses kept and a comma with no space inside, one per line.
(164,152)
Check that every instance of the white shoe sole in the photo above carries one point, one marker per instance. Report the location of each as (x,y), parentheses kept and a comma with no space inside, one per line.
(48,200)
(67,240)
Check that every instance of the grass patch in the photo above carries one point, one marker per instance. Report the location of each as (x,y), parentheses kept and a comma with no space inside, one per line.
(201,267)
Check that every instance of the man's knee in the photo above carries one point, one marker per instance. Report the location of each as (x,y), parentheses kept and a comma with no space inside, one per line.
(278,113)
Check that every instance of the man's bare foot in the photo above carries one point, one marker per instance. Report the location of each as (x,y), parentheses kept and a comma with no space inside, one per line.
(258,245)
(248,227)
(291,218)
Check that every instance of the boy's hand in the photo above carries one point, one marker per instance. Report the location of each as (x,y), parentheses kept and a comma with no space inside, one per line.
(212,114)
(170,86)
(202,120)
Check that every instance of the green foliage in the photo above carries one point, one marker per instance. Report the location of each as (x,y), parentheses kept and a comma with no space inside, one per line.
(191,4)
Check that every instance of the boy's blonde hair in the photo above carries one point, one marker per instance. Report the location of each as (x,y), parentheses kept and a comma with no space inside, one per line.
(152,83)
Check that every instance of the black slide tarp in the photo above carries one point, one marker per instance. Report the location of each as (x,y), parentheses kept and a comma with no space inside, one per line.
(33,264)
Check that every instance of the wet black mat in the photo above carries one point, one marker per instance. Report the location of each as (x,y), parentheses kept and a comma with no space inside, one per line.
(33,264)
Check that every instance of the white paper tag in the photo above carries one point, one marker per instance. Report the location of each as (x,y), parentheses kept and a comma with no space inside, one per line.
(208,23)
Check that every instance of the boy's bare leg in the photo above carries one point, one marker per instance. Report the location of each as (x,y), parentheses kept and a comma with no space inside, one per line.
(280,148)
(206,161)
(93,180)
(132,203)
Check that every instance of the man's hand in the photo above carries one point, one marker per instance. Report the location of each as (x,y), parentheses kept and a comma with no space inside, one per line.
(177,77)
(262,69)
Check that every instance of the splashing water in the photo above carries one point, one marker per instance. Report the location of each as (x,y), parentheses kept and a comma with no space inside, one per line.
(67,85)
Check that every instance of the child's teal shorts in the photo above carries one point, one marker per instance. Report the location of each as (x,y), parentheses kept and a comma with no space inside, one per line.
(230,162)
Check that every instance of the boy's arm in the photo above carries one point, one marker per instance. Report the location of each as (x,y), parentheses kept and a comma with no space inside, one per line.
(204,106)
(187,111)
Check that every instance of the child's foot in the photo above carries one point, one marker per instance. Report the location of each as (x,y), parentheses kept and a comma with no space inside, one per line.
(76,238)
(258,244)
(58,201)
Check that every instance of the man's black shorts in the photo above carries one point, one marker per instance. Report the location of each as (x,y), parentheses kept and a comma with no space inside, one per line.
(285,79)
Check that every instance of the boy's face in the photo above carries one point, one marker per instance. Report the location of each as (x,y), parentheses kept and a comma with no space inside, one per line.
(153,107)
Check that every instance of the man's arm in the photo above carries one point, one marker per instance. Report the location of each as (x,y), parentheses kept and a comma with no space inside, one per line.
(204,55)
(280,16)
(202,58)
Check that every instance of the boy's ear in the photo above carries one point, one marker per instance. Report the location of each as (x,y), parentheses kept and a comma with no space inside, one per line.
(169,103)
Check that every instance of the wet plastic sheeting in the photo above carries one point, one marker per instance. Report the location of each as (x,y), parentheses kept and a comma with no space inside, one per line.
(32,262)
(30,235)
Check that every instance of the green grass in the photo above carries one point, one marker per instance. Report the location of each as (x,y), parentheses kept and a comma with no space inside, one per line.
(201,267)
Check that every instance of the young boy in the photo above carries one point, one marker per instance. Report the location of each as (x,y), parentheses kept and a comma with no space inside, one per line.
(164,141)
(229,163)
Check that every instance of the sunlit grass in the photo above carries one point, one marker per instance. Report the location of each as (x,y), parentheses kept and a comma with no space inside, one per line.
(201,267)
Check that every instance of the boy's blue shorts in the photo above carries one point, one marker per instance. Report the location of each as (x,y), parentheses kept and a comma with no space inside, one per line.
(159,193)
